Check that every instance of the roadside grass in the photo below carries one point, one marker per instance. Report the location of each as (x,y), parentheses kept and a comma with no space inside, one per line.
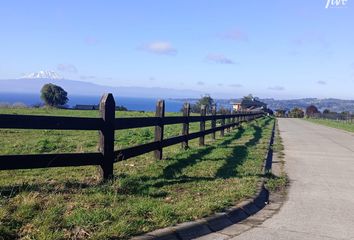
(70,203)
(277,182)
(347,126)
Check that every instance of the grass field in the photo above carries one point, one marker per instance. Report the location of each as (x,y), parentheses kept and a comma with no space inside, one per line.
(347,126)
(63,203)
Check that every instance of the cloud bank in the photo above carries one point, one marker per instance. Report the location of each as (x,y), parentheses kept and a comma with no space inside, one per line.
(68,68)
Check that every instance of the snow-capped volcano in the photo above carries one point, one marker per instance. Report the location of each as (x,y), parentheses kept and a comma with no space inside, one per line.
(42,75)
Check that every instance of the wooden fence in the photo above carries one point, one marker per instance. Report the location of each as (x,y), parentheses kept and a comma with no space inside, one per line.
(343,117)
(106,125)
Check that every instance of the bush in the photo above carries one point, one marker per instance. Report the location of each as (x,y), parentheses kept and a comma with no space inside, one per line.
(121,108)
(296,113)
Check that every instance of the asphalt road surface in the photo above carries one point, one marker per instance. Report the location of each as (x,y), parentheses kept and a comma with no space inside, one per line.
(320,203)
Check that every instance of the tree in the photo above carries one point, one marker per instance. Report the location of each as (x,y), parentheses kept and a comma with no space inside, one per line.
(311,111)
(204,100)
(280,113)
(248,97)
(224,111)
(326,111)
(54,95)
(296,113)
(345,115)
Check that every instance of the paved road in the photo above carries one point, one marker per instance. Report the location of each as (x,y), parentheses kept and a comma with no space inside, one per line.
(320,204)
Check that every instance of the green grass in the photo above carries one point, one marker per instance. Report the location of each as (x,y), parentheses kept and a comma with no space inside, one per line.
(147,194)
(277,182)
(347,126)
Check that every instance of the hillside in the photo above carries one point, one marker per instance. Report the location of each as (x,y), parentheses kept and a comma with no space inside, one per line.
(336,105)
(32,83)
(333,104)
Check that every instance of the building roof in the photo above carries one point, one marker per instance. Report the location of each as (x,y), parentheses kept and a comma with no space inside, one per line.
(246,103)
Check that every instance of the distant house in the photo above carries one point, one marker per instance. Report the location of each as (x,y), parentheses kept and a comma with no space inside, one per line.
(249,104)
(236,106)
(86,107)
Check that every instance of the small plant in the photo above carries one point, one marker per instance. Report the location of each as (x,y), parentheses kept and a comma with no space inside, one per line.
(45,145)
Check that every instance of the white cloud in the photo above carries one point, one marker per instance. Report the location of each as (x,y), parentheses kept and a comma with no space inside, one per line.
(312,38)
(236,35)
(69,68)
(219,58)
(322,82)
(84,77)
(160,47)
(276,88)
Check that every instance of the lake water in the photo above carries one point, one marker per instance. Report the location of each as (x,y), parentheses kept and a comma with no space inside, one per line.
(132,103)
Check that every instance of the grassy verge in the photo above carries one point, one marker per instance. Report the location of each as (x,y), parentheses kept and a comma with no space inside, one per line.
(63,203)
(277,180)
(347,126)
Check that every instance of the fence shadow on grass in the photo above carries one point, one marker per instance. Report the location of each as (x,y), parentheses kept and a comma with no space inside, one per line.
(172,173)
(176,168)
(141,185)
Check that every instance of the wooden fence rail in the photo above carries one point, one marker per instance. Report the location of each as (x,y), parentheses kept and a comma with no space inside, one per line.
(106,125)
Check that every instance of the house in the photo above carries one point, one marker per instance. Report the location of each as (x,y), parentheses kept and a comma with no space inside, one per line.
(236,106)
(249,104)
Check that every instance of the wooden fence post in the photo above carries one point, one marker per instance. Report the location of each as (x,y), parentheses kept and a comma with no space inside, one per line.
(202,125)
(213,122)
(106,143)
(222,131)
(228,121)
(160,112)
(185,127)
(233,120)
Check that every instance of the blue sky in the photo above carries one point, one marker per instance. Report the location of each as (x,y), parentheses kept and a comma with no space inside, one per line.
(282,48)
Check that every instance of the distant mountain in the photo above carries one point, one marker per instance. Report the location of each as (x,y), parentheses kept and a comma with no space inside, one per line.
(32,83)
(42,75)
(333,104)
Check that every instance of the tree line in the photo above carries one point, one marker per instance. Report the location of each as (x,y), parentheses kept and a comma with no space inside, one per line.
(310,111)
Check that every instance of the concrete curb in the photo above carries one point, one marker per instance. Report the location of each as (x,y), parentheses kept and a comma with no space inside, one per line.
(219,221)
